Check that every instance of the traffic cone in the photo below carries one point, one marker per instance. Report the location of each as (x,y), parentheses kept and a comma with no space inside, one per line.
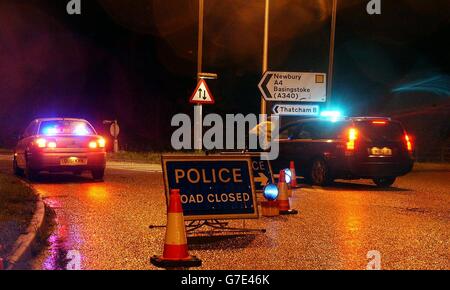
(176,253)
(294,176)
(283,196)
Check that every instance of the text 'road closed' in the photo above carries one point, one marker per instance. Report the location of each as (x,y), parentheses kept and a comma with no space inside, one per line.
(212,186)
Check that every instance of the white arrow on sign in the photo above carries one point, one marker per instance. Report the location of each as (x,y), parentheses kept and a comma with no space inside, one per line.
(202,94)
(262,178)
(294,87)
(295,110)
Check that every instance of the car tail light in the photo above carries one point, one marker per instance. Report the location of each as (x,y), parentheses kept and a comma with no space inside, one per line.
(352,136)
(408,143)
(41,142)
(44,143)
(379,122)
(101,143)
(93,145)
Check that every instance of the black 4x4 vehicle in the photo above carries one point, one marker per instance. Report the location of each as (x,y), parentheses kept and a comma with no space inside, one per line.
(349,148)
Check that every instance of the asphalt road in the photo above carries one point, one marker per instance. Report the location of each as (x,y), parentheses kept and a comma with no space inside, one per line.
(106,223)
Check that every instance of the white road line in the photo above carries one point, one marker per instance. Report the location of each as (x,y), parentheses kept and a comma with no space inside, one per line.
(129,166)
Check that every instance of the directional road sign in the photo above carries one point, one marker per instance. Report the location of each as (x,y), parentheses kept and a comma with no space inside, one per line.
(294,87)
(295,110)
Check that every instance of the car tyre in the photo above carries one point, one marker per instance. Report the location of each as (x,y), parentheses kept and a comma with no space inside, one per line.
(320,173)
(98,174)
(16,169)
(384,182)
(31,174)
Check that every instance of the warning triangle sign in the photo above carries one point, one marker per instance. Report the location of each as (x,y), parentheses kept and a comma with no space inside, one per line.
(202,94)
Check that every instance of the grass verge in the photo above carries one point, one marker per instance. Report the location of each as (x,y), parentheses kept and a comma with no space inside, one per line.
(432,167)
(147,157)
(5,151)
(17,205)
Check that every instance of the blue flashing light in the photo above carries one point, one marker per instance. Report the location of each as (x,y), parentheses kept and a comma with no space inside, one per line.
(81,130)
(50,131)
(331,114)
(287,175)
(271,192)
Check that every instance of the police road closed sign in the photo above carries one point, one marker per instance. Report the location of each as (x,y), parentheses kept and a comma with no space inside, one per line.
(212,187)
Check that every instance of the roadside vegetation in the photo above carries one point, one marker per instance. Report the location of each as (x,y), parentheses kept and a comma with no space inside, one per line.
(155,157)
(432,167)
(5,151)
(147,157)
(17,204)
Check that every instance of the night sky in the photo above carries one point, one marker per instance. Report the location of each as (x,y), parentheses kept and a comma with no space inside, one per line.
(135,61)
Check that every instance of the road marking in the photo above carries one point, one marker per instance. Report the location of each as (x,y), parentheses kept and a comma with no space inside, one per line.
(313,189)
(131,166)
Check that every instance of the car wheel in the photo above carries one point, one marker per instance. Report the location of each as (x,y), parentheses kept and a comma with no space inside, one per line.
(16,169)
(98,174)
(384,182)
(31,174)
(320,172)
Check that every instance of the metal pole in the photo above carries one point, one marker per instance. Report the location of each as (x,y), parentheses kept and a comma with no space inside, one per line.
(201,5)
(265,51)
(198,110)
(331,61)
(116,141)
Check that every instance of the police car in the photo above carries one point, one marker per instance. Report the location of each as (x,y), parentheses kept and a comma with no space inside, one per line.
(60,145)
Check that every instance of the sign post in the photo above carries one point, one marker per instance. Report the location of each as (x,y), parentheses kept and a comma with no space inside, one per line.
(114,130)
(202,95)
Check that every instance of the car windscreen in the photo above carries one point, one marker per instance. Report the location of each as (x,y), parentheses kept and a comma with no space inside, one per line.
(380,130)
(65,127)
(322,129)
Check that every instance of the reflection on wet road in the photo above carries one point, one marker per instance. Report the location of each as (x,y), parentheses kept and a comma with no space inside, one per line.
(94,219)
(107,225)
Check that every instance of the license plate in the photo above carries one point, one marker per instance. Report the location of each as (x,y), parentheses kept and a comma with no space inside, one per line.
(375,151)
(73,161)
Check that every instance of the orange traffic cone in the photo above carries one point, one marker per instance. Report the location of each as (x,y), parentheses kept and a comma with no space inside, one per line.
(294,176)
(176,253)
(283,197)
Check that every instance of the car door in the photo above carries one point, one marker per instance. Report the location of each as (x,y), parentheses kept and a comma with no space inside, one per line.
(292,146)
(24,142)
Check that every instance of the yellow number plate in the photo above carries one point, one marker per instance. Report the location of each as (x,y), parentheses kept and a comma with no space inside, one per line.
(381,151)
(73,161)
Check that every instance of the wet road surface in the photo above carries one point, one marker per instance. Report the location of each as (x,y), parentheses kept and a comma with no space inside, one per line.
(104,225)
